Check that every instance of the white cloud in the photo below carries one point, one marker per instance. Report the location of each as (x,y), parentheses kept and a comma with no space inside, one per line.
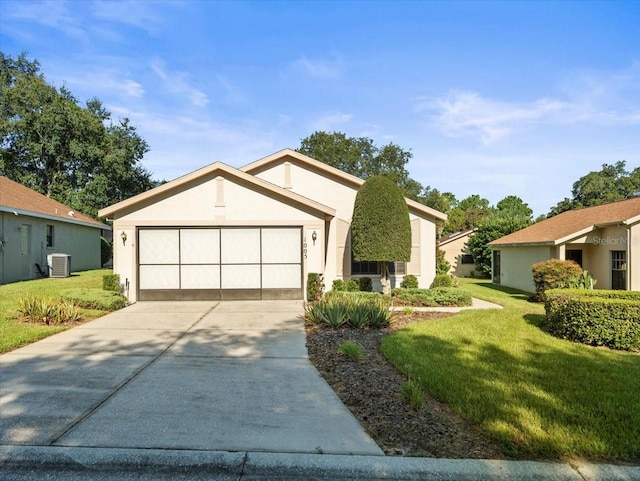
(330,121)
(176,82)
(322,69)
(101,82)
(142,15)
(54,14)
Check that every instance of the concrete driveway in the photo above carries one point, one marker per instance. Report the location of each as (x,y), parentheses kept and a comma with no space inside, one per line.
(228,376)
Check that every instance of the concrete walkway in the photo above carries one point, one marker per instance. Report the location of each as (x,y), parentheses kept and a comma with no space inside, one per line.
(475,304)
(198,390)
(233,376)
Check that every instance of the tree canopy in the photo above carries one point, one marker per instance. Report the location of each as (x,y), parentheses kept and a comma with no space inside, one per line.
(611,183)
(72,153)
(380,229)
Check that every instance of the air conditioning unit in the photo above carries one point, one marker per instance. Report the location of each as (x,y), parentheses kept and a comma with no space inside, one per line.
(59,265)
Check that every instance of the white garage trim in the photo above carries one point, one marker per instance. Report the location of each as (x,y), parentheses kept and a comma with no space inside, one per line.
(188,263)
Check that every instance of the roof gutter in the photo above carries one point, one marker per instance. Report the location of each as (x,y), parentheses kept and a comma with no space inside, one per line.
(14,211)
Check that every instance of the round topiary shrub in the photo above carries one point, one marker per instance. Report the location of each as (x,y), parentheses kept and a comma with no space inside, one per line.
(554,274)
(441,280)
(352,285)
(409,281)
(338,285)
(366,284)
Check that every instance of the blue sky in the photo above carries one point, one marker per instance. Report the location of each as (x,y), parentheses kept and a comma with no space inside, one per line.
(493,98)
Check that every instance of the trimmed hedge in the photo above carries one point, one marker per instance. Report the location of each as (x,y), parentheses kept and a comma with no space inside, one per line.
(315,286)
(598,318)
(371,297)
(436,297)
(442,280)
(111,282)
(95,299)
(409,281)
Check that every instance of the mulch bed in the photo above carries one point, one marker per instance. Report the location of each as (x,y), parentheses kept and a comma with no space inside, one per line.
(370,388)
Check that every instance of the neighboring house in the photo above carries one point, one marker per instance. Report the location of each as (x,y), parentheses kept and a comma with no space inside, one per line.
(32,226)
(251,233)
(604,239)
(457,253)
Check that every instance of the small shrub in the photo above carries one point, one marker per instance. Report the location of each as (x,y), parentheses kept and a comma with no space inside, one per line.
(95,299)
(352,350)
(334,314)
(111,282)
(409,281)
(443,266)
(379,316)
(436,297)
(313,313)
(407,310)
(315,286)
(441,280)
(358,317)
(584,281)
(553,274)
(366,284)
(48,311)
(411,391)
(338,285)
(355,309)
(352,286)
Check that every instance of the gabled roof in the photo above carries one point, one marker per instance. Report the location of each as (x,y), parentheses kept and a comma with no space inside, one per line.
(454,236)
(292,155)
(17,199)
(211,171)
(574,223)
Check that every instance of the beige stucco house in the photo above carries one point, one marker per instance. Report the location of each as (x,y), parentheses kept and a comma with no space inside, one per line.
(251,233)
(33,227)
(457,253)
(604,239)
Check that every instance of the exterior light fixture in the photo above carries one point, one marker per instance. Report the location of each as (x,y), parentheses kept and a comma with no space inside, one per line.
(123,236)
(314,236)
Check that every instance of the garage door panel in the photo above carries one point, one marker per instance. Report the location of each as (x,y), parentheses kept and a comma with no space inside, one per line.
(159,246)
(159,277)
(240,246)
(281,276)
(280,246)
(200,277)
(241,277)
(200,246)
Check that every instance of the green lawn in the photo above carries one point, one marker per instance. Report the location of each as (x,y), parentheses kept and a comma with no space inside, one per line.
(539,396)
(14,334)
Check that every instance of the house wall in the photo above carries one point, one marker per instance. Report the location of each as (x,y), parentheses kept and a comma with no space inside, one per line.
(453,252)
(516,262)
(634,257)
(599,244)
(18,259)
(340,196)
(215,201)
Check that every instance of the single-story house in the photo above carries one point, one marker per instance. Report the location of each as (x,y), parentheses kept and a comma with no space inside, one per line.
(457,253)
(33,227)
(251,233)
(603,239)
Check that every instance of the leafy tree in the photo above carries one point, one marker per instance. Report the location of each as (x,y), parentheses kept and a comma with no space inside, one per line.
(492,228)
(442,202)
(467,214)
(514,206)
(443,266)
(359,156)
(380,230)
(610,184)
(55,146)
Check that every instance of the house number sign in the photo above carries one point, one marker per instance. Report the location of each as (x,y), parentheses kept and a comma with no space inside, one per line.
(304,248)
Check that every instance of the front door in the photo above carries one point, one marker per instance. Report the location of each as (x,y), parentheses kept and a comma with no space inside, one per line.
(496,267)
(618,270)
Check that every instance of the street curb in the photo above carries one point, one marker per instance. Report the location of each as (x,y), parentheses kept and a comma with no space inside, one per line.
(264,465)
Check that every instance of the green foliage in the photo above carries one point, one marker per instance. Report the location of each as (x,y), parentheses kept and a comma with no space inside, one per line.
(599,318)
(514,206)
(443,266)
(493,227)
(338,285)
(435,297)
(411,391)
(366,284)
(61,149)
(48,311)
(352,350)
(409,281)
(610,184)
(584,281)
(380,230)
(358,310)
(553,274)
(352,285)
(442,280)
(111,282)
(468,214)
(106,251)
(88,298)
(315,286)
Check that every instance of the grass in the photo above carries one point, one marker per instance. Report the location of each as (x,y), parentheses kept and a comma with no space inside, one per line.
(352,350)
(539,396)
(13,333)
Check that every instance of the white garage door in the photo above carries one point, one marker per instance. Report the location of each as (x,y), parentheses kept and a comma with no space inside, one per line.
(220,263)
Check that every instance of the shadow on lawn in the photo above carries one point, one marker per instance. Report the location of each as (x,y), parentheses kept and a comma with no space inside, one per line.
(545,402)
(513,293)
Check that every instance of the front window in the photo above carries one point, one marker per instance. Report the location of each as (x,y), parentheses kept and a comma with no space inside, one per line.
(618,270)
(363,268)
(49,235)
(574,255)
